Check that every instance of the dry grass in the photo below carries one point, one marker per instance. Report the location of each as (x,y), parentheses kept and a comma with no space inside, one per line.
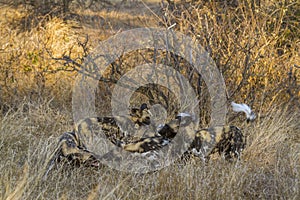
(35,102)
(269,168)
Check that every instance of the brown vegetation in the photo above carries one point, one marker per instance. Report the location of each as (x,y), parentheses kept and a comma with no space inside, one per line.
(255,44)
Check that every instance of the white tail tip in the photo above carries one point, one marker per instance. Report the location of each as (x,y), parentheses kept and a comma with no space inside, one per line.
(243,108)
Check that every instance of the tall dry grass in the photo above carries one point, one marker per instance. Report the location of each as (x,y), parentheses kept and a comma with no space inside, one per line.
(269,168)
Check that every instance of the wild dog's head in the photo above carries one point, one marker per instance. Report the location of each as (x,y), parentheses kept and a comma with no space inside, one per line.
(170,129)
(166,133)
(141,116)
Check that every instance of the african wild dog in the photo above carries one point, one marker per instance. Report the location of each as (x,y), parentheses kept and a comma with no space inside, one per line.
(222,139)
(114,128)
(227,140)
(72,145)
(164,135)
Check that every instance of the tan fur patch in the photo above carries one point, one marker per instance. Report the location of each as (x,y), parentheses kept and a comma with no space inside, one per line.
(206,136)
(218,132)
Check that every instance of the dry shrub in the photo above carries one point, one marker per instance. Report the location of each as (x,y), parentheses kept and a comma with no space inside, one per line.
(39,51)
(255,44)
(27,67)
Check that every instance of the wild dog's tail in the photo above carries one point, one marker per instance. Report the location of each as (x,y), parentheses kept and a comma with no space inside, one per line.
(50,163)
(244,108)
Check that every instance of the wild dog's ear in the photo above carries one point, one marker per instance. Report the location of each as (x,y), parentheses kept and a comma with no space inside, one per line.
(244,108)
(144,106)
(144,109)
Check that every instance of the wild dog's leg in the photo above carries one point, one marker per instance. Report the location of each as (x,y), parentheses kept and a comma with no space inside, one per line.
(197,147)
(52,161)
(231,143)
(237,142)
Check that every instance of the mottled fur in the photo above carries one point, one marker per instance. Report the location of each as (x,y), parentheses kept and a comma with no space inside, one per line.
(226,140)
(72,145)
(164,136)
(141,116)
